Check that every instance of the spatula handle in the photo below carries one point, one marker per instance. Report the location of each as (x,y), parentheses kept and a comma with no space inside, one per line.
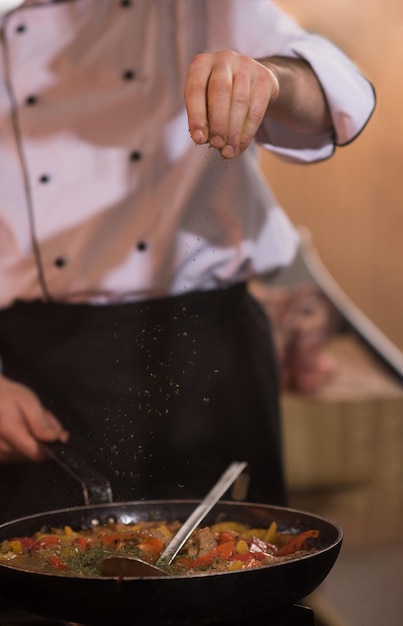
(200,512)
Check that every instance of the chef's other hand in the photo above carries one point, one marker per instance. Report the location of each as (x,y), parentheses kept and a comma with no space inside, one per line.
(24,422)
(226,96)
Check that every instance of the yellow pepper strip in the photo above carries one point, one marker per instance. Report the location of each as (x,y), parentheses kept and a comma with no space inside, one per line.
(70,532)
(15,547)
(242,547)
(271,533)
(235,565)
(128,528)
(221,526)
(260,533)
(165,531)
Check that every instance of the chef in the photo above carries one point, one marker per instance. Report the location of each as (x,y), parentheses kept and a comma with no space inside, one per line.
(132,216)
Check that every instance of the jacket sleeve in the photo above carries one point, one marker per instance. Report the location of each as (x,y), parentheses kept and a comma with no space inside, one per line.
(350,96)
(258,28)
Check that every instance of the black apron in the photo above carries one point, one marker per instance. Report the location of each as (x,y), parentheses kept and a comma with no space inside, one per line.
(159,396)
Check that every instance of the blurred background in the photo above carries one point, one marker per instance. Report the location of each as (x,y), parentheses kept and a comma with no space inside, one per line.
(352,203)
(344,444)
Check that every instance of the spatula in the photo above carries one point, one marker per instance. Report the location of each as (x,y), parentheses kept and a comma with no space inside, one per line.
(122,567)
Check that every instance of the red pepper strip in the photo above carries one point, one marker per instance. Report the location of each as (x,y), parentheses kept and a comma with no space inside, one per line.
(110,538)
(151,545)
(226,535)
(48,540)
(56,562)
(222,551)
(26,543)
(83,542)
(242,556)
(247,559)
(297,542)
(260,548)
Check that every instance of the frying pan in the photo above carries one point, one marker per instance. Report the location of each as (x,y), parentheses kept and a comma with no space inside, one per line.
(202,598)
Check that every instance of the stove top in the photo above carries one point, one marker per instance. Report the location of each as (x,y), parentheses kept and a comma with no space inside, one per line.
(296,615)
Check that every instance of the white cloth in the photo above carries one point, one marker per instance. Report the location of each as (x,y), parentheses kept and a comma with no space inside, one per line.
(103,195)
(9,5)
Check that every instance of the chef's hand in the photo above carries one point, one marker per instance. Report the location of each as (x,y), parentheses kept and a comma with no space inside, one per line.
(24,422)
(227,95)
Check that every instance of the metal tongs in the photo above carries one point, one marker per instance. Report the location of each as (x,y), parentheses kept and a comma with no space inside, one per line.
(96,488)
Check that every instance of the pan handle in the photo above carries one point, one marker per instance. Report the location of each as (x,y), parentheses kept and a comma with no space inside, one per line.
(96,488)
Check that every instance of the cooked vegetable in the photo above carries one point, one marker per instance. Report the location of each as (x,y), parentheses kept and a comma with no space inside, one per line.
(226,546)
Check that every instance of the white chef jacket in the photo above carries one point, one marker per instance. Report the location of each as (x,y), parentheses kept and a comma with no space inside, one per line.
(103,195)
